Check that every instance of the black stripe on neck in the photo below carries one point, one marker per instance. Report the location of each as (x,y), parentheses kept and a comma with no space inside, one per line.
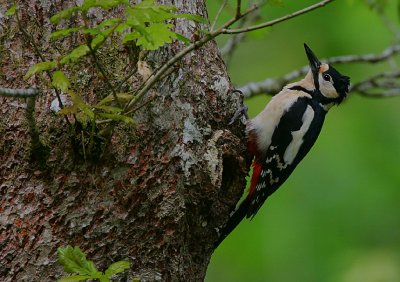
(301,88)
(316,94)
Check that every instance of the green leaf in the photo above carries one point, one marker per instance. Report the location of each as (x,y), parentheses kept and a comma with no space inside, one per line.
(122,27)
(117,267)
(68,110)
(101,37)
(131,36)
(117,117)
(97,41)
(75,54)
(160,34)
(152,5)
(108,109)
(60,81)
(104,4)
(104,279)
(10,12)
(77,104)
(109,22)
(191,17)
(63,32)
(64,14)
(39,67)
(74,278)
(113,23)
(74,261)
(81,104)
(120,96)
(148,12)
(182,38)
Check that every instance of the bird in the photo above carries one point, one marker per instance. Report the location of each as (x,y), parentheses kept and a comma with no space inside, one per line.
(282,134)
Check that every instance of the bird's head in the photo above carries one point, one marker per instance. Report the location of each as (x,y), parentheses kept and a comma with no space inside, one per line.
(331,84)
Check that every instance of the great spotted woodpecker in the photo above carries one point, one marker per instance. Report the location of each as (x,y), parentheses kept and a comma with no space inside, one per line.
(283,133)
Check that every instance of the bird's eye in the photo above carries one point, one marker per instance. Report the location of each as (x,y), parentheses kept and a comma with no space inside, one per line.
(326,77)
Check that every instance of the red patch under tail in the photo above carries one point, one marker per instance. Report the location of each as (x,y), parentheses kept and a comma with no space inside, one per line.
(257,167)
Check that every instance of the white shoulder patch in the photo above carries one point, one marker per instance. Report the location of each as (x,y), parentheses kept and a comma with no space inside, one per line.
(293,149)
(264,123)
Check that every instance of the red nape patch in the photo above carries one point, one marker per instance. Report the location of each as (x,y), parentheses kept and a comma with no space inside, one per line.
(255,177)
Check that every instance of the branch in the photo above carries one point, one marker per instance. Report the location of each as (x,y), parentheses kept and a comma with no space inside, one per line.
(230,46)
(378,86)
(103,73)
(274,85)
(155,77)
(238,8)
(18,93)
(278,20)
(160,72)
(38,52)
(223,5)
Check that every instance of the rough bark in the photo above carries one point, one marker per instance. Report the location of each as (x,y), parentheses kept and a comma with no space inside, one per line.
(160,188)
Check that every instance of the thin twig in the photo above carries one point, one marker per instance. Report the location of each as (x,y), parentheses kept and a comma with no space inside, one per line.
(166,74)
(38,52)
(158,74)
(221,8)
(33,131)
(278,20)
(224,29)
(18,93)
(230,46)
(119,86)
(152,98)
(103,72)
(274,85)
(378,86)
(369,58)
(238,8)
(38,151)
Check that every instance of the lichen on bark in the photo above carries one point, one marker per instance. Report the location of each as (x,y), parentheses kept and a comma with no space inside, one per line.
(157,195)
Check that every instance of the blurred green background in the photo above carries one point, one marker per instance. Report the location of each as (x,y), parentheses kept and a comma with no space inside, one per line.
(337,218)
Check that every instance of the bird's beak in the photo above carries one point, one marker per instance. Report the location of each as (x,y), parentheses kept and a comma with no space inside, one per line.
(314,63)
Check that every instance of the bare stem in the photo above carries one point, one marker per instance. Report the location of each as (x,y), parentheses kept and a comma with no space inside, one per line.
(223,5)
(103,72)
(159,73)
(274,85)
(224,29)
(238,8)
(18,93)
(378,86)
(278,20)
(38,52)
(230,46)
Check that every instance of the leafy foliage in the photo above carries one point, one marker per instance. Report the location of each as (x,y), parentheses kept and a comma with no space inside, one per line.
(143,25)
(11,11)
(39,67)
(60,81)
(74,261)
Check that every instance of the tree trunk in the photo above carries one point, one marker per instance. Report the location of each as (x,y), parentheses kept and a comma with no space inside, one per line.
(160,189)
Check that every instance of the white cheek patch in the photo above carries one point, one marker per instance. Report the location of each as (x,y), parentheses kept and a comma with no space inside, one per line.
(293,149)
(327,89)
